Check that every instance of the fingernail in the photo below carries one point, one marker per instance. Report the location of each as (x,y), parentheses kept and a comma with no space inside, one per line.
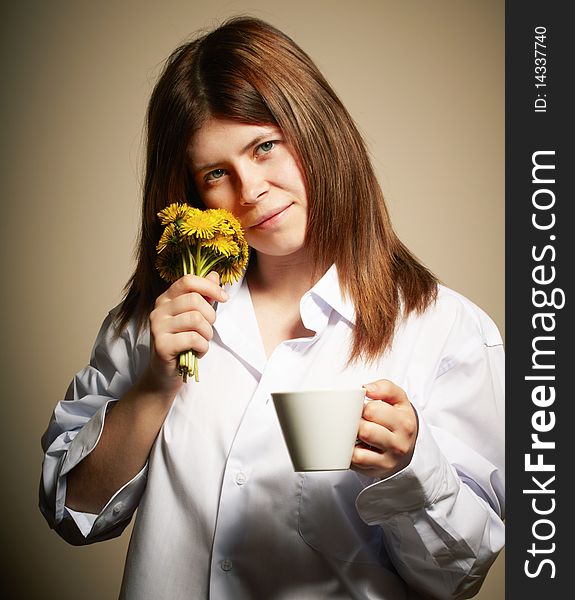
(224,295)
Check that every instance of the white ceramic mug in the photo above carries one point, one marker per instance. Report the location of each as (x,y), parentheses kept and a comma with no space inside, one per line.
(320,426)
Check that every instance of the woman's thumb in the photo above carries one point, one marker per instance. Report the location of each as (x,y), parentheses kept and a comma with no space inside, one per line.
(213,276)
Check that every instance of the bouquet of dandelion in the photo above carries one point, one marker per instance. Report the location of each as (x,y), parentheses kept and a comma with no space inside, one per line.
(197,242)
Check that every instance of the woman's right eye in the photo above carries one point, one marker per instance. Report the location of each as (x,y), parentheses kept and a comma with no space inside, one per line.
(215,174)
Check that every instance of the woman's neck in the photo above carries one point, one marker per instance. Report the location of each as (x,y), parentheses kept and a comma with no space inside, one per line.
(287,277)
(276,286)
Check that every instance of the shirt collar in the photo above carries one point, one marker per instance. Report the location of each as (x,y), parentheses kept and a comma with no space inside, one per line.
(237,326)
(329,290)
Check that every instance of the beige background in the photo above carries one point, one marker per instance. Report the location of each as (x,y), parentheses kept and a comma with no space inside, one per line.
(424,81)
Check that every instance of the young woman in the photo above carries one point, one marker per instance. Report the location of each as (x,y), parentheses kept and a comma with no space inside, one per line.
(242,119)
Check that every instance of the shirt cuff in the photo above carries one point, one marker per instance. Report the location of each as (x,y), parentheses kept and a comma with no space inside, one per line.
(86,439)
(118,509)
(121,505)
(84,521)
(428,478)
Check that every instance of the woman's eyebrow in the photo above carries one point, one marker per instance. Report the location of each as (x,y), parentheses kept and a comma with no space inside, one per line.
(205,167)
(254,142)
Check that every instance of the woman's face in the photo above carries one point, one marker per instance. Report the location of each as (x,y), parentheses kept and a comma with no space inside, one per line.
(252,172)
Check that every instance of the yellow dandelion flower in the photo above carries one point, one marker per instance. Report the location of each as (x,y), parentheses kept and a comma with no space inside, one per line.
(230,270)
(222,245)
(199,224)
(169,265)
(228,224)
(173,213)
(169,236)
(245,252)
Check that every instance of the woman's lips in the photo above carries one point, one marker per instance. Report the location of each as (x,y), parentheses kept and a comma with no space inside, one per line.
(271,218)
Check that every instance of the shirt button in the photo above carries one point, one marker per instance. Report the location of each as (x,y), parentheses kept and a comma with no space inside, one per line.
(241,478)
(226,564)
(117,508)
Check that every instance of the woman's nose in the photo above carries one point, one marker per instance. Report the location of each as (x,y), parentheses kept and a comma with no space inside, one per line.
(253,185)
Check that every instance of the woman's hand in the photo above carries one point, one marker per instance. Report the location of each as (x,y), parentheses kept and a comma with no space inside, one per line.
(182,320)
(387,431)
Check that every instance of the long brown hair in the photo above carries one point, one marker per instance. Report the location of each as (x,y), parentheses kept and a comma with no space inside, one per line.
(249,71)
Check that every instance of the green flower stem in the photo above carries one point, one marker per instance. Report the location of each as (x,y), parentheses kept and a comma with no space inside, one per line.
(187,361)
(193,264)
(207,265)
(199,264)
(198,259)
(195,371)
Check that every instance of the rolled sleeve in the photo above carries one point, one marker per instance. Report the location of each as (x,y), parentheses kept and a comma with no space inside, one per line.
(121,505)
(118,510)
(427,479)
(75,429)
(446,507)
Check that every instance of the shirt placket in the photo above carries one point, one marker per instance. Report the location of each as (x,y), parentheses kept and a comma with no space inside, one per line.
(257,432)
(245,469)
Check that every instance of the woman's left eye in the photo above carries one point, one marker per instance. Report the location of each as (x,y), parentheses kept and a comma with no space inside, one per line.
(265,147)
(215,174)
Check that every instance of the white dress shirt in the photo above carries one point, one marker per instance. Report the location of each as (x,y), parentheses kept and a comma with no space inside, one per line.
(221,513)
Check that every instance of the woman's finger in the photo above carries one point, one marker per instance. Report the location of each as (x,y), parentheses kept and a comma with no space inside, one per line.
(208,287)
